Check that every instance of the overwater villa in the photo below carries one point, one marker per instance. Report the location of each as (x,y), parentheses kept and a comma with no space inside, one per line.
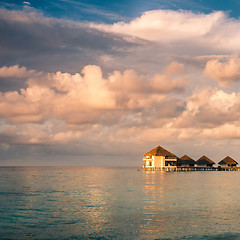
(160,159)
(186,161)
(205,162)
(227,162)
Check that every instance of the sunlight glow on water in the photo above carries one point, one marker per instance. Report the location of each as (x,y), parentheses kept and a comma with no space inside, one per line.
(117,203)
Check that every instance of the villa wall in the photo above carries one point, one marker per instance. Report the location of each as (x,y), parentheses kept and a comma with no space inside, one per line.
(159,161)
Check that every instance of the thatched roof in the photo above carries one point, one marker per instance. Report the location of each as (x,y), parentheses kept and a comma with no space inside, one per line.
(204,160)
(228,160)
(160,151)
(185,159)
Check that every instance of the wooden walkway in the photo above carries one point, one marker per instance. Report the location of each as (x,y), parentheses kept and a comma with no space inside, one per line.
(186,169)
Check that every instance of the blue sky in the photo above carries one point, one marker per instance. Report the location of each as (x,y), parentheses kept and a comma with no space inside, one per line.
(111,11)
(102,82)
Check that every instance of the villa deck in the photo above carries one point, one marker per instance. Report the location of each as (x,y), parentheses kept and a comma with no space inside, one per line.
(185,169)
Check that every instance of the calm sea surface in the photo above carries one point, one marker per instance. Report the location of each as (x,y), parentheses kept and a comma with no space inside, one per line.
(117,203)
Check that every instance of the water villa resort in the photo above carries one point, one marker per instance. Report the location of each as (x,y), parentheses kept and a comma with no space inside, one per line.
(159,159)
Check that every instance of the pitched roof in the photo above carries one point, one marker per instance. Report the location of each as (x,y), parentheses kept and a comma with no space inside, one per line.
(228,160)
(160,151)
(185,159)
(204,160)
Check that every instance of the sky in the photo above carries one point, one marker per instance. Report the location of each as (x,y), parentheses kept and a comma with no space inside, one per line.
(99,83)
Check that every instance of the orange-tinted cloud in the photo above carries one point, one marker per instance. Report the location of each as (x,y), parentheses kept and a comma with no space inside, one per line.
(208,107)
(224,72)
(86,97)
(173,79)
(16,71)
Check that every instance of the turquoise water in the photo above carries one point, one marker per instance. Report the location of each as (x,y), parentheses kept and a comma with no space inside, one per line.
(117,203)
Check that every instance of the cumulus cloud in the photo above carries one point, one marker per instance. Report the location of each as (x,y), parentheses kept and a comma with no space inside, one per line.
(16,72)
(166,25)
(15,77)
(86,97)
(224,72)
(208,31)
(83,108)
(173,79)
(209,107)
(28,106)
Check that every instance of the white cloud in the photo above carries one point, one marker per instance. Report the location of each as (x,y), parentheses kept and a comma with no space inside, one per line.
(214,31)
(166,25)
(224,72)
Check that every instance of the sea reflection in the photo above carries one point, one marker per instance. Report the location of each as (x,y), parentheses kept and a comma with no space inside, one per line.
(95,197)
(118,203)
(154,209)
(177,203)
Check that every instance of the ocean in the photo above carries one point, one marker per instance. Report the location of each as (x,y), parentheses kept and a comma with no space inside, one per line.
(117,203)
